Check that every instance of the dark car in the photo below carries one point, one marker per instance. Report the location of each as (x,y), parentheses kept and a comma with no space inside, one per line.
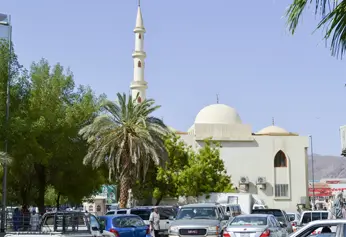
(279,214)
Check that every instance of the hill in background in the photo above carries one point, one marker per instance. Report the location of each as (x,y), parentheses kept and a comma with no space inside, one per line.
(328,167)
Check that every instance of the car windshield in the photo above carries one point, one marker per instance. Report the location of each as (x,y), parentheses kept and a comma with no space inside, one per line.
(248,220)
(197,213)
(291,217)
(127,221)
(277,213)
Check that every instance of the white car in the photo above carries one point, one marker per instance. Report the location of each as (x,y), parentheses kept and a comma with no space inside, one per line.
(335,228)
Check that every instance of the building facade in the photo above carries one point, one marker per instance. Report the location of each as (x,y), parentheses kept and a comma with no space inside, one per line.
(272,163)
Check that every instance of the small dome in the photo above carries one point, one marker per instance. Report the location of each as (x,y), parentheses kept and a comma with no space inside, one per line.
(218,114)
(273,130)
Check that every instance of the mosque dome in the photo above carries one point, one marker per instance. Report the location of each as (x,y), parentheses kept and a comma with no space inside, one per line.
(273,130)
(218,114)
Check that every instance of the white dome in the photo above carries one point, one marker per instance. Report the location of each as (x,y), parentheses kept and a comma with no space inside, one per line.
(273,130)
(218,114)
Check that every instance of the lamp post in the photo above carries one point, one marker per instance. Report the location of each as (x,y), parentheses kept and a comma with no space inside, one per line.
(5,20)
(313,173)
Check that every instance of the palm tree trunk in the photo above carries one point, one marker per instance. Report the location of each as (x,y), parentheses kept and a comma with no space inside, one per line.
(125,185)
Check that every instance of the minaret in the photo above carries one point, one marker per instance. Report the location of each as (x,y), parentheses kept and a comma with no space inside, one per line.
(139,85)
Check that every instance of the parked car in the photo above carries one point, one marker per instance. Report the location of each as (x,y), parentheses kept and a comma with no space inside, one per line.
(125,225)
(167,214)
(200,219)
(294,218)
(336,228)
(255,225)
(309,216)
(280,215)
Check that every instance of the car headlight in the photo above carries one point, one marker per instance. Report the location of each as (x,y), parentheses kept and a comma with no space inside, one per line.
(213,228)
(173,229)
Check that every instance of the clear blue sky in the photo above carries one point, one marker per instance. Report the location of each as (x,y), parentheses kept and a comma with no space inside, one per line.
(240,50)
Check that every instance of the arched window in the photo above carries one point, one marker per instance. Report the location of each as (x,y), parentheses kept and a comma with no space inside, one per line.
(91,208)
(139,64)
(140,36)
(280,159)
(139,99)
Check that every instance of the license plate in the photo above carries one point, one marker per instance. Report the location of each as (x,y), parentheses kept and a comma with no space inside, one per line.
(245,235)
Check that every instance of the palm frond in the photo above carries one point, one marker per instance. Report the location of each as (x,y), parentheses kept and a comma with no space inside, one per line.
(125,137)
(333,18)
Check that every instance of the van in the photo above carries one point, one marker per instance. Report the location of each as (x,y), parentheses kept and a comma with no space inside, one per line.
(232,209)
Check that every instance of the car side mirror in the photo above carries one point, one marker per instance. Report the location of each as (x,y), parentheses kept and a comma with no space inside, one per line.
(171,218)
(225,218)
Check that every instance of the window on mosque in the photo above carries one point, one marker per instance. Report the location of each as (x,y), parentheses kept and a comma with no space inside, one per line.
(280,159)
(140,36)
(281,190)
(139,64)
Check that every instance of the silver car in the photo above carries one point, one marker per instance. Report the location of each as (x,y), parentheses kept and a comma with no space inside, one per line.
(255,225)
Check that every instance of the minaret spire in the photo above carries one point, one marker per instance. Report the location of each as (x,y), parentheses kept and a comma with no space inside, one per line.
(138,84)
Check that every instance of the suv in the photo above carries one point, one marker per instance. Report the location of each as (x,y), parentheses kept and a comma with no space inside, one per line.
(280,215)
(201,219)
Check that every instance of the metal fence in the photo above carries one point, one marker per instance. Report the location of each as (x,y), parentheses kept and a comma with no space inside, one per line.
(21,222)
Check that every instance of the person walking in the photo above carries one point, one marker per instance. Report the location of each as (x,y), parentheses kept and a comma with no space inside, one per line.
(16,219)
(154,221)
(34,220)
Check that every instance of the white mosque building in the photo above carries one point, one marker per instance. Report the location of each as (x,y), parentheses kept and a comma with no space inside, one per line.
(271,163)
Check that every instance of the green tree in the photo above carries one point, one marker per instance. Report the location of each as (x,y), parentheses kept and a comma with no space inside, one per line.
(126,137)
(205,172)
(167,180)
(331,19)
(19,91)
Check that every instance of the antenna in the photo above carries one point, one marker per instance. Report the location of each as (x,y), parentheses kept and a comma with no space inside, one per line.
(217,98)
(273,121)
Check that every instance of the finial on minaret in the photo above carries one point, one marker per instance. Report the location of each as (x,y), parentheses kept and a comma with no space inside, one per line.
(139,3)
(217,98)
(273,121)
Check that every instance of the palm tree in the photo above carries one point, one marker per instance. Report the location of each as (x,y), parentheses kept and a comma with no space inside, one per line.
(125,137)
(333,19)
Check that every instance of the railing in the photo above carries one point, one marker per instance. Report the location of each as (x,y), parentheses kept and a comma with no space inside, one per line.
(21,222)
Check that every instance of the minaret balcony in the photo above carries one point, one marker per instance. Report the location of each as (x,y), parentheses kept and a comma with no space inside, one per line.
(139,30)
(139,54)
(138,84)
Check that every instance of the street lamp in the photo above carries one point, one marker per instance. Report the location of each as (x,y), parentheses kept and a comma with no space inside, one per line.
(313,173)
(5,20)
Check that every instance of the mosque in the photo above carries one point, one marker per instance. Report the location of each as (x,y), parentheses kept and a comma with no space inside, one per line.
(271,163)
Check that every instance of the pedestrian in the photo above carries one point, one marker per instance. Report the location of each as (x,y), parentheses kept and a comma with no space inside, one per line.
(16,219)
(336,211)
(154,220)
(34,220)
(26,217)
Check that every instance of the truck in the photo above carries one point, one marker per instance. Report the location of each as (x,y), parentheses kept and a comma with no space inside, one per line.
(70,223)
